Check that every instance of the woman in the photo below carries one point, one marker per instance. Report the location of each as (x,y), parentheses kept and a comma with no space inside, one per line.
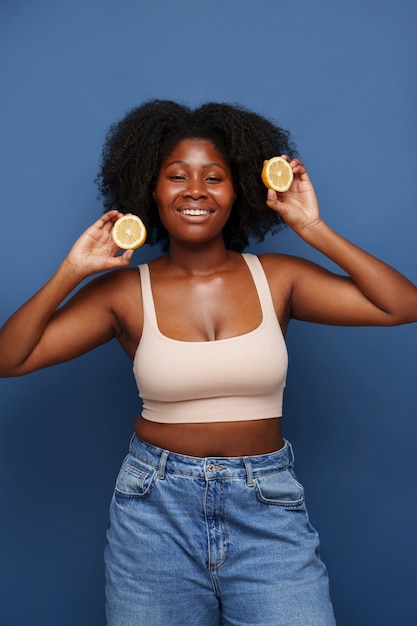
(208,524)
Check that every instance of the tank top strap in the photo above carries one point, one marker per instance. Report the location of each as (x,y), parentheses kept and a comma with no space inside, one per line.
(255,268)
(149,314)
(261,284)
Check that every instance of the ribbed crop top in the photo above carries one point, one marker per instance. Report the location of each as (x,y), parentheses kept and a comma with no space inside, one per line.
(226,380)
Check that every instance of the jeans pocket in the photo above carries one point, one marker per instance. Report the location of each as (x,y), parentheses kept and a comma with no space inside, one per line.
(280,488)
(134,479)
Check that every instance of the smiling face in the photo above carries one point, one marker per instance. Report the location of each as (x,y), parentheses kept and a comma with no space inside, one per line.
(194,192)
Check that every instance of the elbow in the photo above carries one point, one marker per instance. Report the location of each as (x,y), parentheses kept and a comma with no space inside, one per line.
(10,372)
(13,370)
(402,317)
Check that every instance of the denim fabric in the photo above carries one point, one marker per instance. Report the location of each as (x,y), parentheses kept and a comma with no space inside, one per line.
(212,542)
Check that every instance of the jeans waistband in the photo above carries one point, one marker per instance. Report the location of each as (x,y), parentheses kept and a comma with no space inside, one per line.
(208,468)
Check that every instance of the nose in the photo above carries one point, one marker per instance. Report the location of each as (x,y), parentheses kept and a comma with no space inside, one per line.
(196,189)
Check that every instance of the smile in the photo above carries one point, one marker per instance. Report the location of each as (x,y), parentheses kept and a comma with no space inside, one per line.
(195,212)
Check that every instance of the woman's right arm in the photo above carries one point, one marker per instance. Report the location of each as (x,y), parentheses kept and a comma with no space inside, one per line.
(40,333)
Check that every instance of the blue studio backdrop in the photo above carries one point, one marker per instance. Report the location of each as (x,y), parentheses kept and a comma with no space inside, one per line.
(341,76)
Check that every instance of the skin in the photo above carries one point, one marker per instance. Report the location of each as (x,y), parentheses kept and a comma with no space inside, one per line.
(202,291)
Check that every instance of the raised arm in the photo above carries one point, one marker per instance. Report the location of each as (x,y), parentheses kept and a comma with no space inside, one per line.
(40,333)
(372,293)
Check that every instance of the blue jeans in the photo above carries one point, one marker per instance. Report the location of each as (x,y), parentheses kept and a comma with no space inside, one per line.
(212,542)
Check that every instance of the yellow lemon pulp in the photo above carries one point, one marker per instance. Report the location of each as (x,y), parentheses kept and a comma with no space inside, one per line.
(277,174)
(129,232)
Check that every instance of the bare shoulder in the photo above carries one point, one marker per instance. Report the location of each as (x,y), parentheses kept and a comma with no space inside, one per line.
(282,267)
(113,286)
(121,288)
(293,282)
(281,262)
(285,267)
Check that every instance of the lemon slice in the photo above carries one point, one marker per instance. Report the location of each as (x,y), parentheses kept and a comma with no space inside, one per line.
(129,232)
(277,174)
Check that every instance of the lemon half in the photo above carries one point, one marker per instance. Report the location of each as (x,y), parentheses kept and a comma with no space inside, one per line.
(277,174)
(129,232)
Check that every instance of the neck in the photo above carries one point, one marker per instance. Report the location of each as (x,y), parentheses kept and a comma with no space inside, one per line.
(198,260)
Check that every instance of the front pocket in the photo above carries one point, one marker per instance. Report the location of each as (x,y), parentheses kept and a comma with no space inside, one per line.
(280,488)
(134,480)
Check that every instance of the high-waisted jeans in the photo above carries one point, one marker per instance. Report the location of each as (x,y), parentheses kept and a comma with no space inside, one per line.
(212,542)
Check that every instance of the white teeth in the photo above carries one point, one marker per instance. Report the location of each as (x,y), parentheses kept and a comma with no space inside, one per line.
(194,212)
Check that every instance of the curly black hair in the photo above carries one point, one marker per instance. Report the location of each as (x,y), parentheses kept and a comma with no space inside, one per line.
(136,146)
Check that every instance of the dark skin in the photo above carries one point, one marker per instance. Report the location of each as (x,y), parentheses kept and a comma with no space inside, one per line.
(202,291)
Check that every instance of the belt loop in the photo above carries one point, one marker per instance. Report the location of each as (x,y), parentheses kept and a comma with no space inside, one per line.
(291,451)
(249,472)
(162,464)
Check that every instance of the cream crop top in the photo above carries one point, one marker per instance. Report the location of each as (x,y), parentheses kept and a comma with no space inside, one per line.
(226,380)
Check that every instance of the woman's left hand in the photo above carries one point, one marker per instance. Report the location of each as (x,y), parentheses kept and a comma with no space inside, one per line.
(298,206)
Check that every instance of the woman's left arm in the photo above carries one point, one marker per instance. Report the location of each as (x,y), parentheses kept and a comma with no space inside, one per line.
(372,293)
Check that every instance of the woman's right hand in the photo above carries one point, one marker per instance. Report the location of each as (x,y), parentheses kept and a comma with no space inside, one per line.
(95,251)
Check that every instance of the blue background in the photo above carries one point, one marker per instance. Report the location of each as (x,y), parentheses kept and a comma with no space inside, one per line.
(341,76)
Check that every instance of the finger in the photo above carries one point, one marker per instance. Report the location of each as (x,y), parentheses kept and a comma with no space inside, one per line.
(114,213)
(271,196)
(126,257)
(298,166)
(108,219)
(121,260)
(273,201)
(275,197)
(105,223)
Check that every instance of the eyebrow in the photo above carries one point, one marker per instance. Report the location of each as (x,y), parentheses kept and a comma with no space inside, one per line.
(205,165)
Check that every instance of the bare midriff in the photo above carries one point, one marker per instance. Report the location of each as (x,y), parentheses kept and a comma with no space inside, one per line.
(226,439)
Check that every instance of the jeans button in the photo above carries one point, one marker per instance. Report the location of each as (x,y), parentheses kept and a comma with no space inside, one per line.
(211,467)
